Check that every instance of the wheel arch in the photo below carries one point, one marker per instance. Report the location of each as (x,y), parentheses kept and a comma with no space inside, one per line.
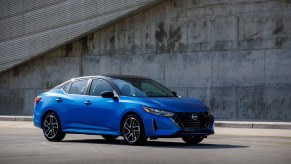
(46,112)
(127,114)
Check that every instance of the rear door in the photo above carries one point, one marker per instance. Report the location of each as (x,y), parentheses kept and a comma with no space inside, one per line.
(71,105)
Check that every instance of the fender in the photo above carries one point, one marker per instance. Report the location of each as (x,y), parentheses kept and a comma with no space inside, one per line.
(49,108)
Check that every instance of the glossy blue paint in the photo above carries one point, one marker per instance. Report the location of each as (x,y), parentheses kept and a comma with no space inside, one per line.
(87,114)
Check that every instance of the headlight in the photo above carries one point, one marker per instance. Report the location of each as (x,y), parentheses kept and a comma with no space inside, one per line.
(158,112)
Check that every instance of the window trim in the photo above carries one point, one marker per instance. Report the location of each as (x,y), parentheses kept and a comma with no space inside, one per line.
(64,85)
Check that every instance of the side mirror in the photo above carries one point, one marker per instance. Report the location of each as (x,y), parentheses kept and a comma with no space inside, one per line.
(174,93)
(107,94)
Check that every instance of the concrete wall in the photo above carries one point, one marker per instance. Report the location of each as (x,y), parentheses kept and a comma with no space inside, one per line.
(29,28)
(233,55)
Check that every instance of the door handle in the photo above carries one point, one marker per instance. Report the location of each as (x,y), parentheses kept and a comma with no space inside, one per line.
(87,102)
(59,99)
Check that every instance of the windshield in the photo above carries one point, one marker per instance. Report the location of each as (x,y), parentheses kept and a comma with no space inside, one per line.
(142,88)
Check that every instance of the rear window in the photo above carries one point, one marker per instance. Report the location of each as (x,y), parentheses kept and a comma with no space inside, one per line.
(78,87)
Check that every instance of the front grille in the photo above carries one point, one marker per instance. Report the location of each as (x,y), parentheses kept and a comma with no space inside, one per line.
(185,120)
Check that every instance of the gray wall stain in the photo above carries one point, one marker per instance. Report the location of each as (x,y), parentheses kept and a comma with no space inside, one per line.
(168,41)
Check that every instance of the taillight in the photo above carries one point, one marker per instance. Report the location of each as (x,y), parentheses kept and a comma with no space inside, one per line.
(37,99)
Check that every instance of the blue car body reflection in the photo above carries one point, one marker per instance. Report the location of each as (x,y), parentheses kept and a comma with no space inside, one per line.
(100,104)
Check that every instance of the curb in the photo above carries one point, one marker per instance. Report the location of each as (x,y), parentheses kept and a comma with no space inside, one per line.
(253,125)
(15,118)
(226,124)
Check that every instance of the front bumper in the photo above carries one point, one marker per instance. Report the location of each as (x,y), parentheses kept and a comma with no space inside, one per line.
(165,127)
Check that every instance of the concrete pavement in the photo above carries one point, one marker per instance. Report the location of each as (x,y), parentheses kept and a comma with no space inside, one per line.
(21,142)
(218,123)
(218,130)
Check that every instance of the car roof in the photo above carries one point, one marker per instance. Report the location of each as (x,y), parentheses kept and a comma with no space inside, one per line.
(124,76)
(113,76)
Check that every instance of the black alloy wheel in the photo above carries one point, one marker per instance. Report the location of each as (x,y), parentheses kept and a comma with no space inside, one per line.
(133,131)
(52,128)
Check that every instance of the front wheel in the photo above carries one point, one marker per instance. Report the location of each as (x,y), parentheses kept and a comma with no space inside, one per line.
(51,127)
(132,130)
(192,139)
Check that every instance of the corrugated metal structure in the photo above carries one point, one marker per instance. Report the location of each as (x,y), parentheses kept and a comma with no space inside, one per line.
(31,28)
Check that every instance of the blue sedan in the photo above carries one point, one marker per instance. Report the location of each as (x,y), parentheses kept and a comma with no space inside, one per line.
(134,107)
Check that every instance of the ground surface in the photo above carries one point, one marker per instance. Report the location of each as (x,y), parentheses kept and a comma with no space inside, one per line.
(22,143)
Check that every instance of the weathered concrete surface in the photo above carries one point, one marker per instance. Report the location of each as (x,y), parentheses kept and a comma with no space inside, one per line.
(23,143)
(233,55)
(31,28)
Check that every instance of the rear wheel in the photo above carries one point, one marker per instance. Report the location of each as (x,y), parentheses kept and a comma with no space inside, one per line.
(109,137)
(132,130)
(52,128)
(192,139)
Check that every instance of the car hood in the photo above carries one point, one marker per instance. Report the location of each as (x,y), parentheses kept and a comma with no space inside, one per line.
(173,104)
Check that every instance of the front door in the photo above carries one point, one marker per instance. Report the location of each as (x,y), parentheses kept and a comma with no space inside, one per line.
(101,113)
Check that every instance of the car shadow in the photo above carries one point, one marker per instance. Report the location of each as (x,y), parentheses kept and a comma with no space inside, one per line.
(159,144)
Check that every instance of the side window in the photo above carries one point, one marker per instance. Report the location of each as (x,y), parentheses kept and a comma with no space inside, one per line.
(99,86)
(78,87)
(67,87)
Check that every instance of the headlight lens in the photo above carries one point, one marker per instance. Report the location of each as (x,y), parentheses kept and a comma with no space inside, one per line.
(158,112)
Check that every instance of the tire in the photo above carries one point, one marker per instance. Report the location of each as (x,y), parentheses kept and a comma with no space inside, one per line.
(133,130)
(109,137)
(51,127)
(192,139)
